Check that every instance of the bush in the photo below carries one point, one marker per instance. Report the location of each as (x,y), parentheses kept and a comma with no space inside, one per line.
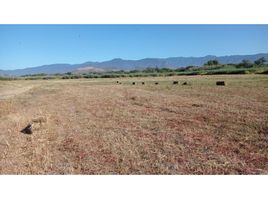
(263,72)
(212,62)
(7,78)
(189,73)
(171,74)
(245,64)
(241,71)
(49,77)
(260,61)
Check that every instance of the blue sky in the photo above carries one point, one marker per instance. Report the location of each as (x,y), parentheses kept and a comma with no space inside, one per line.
(24,46)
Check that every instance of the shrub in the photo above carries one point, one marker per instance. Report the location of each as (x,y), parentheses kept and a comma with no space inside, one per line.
(7,78)
(212,62)
(263,72)
(260,61)
(245,63)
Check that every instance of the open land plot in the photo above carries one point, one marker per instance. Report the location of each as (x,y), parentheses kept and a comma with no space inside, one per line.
(98,126)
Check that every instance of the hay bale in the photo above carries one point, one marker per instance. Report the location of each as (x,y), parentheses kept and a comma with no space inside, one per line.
(220,83)
(27,130)
(175,82)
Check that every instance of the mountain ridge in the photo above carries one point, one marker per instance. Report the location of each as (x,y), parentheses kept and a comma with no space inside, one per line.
(122,64)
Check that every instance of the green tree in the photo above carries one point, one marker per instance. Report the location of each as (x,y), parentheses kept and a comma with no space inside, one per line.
(246,63)
(212,62)
(260,61)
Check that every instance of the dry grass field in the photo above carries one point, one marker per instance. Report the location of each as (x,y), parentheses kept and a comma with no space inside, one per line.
(96,126)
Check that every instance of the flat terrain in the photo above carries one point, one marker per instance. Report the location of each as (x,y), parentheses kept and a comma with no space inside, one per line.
(96,126)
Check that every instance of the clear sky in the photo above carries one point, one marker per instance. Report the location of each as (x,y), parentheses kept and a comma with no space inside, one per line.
(24,46)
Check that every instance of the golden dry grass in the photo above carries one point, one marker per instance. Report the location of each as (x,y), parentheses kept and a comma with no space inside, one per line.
(100,127)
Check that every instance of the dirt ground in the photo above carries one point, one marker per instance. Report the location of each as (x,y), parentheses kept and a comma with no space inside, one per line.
(96,126)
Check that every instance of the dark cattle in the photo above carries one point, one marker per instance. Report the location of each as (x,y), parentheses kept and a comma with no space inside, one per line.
(221,83)
(156,83)
(27,129)
(142,83)
(175,82)
(133,83)
(117,81)
(185,83)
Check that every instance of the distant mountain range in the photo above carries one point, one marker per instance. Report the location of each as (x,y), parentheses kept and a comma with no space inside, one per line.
(120,64)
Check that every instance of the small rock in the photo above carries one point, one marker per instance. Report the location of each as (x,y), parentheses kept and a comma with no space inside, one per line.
(27,129)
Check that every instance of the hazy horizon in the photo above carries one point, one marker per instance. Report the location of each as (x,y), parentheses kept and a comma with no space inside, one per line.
(47,64)
(24,46)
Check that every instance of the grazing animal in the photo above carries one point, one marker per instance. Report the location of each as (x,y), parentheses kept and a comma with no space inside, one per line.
(27,130)
(221,83)
(117,81)
(133,83)
(175,82)
(156,83)
(185,83)
(142,83)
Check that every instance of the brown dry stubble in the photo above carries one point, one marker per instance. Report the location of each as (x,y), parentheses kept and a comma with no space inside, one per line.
(96,128)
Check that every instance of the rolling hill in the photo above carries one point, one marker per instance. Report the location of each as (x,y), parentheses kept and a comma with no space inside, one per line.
(120,64)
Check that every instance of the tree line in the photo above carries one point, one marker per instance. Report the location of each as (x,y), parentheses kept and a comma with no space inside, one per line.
(244,63)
